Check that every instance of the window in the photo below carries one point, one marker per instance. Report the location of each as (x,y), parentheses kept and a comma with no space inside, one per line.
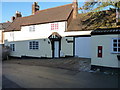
(34,45)
(116,45)
(54,26)
(12,47)
(32,28)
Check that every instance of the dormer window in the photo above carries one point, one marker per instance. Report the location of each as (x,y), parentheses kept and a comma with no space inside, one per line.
(32,28)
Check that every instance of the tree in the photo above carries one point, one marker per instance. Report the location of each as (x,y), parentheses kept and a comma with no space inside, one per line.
(98,17)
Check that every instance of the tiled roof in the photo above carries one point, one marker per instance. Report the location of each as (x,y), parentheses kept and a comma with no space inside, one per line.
(16,25)
(4,25)
(50,15)
(102,31)
(60,13)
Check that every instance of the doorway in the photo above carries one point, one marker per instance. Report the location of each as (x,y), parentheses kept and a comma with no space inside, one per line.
(55,39)
(56,49)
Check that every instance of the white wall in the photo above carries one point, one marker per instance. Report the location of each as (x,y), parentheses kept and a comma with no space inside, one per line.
(22,48)
(109,59)
(66,48)
(1,36)
(83,47)
(41,31)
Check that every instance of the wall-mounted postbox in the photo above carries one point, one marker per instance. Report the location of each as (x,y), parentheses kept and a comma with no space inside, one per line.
(100,51)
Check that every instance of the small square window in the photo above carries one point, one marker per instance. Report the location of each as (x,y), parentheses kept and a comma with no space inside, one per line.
(116,45)
(54,26)
(32,28)
(33,45)
(12,46)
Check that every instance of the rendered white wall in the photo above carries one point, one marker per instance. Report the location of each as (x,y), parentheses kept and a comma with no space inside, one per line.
(0,36)
(66,48)
(109,59)
(41,31)
(83,47)
(22,48)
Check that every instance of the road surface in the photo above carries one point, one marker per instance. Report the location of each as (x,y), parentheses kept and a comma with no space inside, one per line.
(27,76)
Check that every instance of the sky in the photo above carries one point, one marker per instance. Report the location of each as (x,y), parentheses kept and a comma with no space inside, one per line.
(9,8)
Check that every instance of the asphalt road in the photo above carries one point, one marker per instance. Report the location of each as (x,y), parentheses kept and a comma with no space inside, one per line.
(26,76)
(8,83)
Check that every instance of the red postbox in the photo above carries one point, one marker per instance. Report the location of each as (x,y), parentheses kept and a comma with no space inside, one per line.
(100,51)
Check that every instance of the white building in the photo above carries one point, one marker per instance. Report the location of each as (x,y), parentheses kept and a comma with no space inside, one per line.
(105,48)
(47,33)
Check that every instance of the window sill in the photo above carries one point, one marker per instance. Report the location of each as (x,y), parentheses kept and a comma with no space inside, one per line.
(115,52)
(33,49)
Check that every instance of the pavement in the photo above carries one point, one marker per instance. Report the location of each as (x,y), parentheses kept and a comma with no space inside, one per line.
(26,76)
(8,83)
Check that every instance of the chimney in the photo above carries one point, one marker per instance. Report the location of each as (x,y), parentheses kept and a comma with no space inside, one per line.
(7,21)
(18,14)
(13,18)
(35,7)
(75,9)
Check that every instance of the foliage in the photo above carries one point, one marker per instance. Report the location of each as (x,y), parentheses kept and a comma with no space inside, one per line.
(98,17)
(96,5)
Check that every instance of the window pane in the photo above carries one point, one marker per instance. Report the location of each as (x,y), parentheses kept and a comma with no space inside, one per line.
(118,49)
(114,45)
(119,45)
(114,40)
(30,42)
(115,49)
(119,41)
(13,49)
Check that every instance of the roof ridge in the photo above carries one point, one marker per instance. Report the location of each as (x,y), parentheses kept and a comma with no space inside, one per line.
(52,8)
(45,10)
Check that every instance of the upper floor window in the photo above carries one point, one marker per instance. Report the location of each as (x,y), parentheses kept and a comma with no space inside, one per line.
(12,47)
(54,26)
(33,45)
(32,28)
(116,45)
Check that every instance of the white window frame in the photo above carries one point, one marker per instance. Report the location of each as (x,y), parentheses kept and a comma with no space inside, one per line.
(33,45)
(32,28)
(116,46)
(12,47)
